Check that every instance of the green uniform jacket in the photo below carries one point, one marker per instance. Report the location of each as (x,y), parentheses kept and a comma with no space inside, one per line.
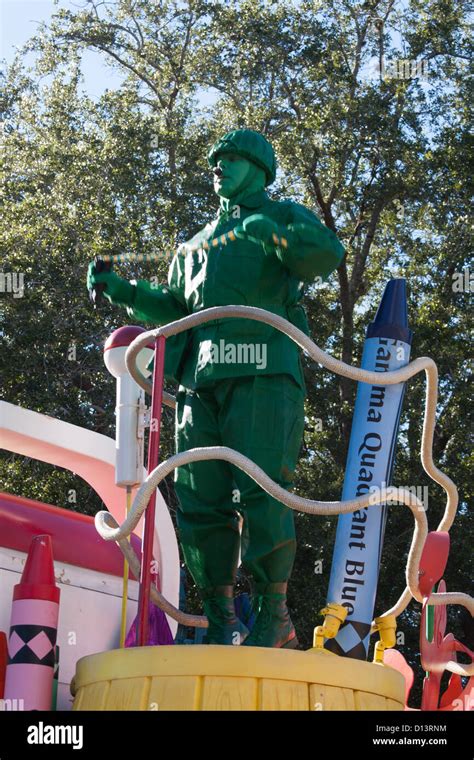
(240,272)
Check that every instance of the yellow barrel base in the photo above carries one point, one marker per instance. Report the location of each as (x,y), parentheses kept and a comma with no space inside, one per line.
(210,677)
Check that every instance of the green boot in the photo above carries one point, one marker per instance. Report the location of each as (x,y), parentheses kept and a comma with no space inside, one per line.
(273,626)
(224,625)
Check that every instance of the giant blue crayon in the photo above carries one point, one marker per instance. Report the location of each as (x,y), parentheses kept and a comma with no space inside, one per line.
(359,536)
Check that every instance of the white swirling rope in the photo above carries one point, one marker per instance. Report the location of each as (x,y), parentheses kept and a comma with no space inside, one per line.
(110,531)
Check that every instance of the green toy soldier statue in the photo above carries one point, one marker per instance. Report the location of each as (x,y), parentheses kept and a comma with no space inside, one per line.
(241,383)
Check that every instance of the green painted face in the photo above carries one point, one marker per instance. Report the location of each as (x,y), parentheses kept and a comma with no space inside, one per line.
(235,170)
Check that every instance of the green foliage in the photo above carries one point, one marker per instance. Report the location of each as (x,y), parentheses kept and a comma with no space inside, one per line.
(384,161)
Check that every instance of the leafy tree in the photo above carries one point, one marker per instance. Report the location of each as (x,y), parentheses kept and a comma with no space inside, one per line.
(377,146)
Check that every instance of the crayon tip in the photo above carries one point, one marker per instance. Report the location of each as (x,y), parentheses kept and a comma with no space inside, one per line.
(391,320)
(393,306)
(39,567)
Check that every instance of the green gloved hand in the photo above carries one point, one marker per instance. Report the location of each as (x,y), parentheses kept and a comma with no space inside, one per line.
(117,289)
(261,229)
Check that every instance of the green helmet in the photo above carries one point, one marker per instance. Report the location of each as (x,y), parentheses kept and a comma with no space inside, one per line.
(250,145)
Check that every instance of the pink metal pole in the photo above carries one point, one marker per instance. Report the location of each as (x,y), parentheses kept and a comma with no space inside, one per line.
(153,456)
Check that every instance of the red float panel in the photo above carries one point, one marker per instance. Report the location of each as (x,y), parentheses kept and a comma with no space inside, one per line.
(74,537)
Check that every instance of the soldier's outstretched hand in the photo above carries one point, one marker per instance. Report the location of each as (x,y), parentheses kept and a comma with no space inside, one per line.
(259,229)
(117,289)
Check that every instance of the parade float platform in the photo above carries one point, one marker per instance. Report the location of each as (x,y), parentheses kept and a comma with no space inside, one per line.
(233,678)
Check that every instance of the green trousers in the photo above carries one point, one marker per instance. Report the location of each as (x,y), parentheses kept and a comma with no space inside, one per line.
(262,417)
